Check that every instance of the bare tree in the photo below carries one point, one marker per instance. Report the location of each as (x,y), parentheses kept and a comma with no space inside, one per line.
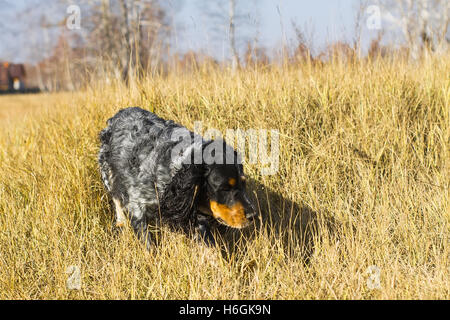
(231,17)
(228,17)
(119,38)
(360,9)
(124,36)
(127,57)
(423,23)
(145,28)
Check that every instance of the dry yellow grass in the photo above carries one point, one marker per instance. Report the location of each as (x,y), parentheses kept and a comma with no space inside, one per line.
(15,108)
(364,151)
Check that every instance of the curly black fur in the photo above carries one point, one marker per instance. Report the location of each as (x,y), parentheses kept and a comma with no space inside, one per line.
(139,170)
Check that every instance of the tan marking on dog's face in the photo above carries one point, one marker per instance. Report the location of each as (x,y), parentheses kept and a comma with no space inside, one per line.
(232,182)
(231,216)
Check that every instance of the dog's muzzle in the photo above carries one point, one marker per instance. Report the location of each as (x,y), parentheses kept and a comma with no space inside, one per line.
(239,215)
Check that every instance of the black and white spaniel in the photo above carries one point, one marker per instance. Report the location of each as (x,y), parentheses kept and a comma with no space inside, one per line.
(158,171)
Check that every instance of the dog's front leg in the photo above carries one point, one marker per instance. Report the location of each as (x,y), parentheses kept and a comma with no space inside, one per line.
(203,233)
(140,225)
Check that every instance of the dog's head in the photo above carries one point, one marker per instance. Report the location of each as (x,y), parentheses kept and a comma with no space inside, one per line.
(225,196)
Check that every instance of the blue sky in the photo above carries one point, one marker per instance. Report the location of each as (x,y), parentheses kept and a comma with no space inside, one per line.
(271,21)
(323,20)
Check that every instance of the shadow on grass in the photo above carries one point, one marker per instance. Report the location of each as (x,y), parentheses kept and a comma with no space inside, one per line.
(287,225)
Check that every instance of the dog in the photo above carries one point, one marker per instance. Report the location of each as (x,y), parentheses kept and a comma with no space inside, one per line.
(157,171)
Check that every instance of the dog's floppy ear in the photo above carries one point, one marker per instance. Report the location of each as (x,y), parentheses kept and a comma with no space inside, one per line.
(180,196)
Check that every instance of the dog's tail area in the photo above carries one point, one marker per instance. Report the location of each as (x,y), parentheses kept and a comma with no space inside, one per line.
(103,156)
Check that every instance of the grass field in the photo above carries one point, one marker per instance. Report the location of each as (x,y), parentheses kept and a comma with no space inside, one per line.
(363,181)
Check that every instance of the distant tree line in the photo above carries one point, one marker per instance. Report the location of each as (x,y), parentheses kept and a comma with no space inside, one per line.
(127,39)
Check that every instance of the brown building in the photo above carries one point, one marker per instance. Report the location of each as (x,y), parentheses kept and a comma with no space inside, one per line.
(12,77)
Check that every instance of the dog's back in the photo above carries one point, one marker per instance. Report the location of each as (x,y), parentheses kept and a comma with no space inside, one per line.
(131,134)
(134,159)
